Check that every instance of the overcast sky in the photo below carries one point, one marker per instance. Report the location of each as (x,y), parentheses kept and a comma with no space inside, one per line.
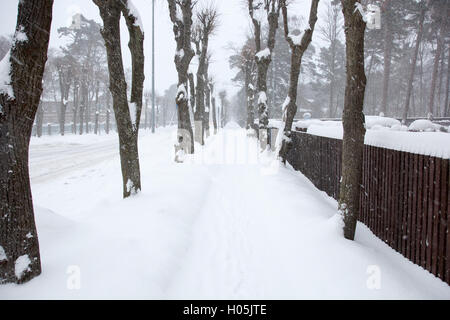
(234,26)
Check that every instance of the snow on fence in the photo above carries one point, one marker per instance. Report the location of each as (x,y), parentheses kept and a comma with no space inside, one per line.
(405,197)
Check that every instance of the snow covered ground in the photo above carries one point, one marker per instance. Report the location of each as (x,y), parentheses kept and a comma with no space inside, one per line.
(227,224)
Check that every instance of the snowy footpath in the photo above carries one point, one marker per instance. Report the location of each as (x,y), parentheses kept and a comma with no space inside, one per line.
(229,223)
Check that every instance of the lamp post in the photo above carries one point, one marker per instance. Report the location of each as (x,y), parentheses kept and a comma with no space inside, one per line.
(153,69)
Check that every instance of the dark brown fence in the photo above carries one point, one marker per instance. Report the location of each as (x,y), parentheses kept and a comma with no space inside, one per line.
(405,197)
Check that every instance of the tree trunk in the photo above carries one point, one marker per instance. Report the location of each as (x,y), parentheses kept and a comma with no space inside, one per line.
(250,99)
(75,107)
(214,111)
(447,87)
(437,57)
(353,119)
(297,51)
(182,31)
(97,110)
(207,105)
(108,113)
(192,92)
(110,12)
(263,60)
(441,75)
(84,98)
(19,246)
(388,39)
(413,65)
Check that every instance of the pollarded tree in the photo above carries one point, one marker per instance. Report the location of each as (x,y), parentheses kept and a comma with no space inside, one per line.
(21,73)
(258,9)
(298,43)
(205,26)
(181,17)
(127,114)
(353,117)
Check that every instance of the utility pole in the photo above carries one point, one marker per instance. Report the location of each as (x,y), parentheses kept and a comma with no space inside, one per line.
(153,68)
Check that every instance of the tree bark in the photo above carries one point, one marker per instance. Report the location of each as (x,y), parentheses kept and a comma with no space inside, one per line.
(19,246)
(353,119)
(297,49)
(413,65)
(110,11)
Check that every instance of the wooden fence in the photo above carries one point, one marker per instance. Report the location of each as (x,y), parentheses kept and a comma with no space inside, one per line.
(405,197)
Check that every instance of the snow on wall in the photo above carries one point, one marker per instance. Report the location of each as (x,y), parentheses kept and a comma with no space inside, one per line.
(435,144)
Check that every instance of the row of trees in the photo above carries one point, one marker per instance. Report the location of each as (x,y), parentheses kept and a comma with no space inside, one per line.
(195,94)
(253,63)
(400,83)
(20,94)
(79,68)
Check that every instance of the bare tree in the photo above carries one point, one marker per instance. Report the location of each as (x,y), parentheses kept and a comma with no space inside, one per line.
(182,24)
(127,114)
(19,100)
(264,57)
(298,43)
(353,118)
(207,19)
(65,75)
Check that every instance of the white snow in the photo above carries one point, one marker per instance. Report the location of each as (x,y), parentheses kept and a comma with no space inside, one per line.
(21,266)
(133,107)
(20,35)
(263,54)
(3,256)
(135,13)
(182,92)
(372,121)
(262,97)
(229,223)
(296,39)
(423,125)
(5,76)
(285,104)
(387,133)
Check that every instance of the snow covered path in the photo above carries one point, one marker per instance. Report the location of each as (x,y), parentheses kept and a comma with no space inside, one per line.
(227,224)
